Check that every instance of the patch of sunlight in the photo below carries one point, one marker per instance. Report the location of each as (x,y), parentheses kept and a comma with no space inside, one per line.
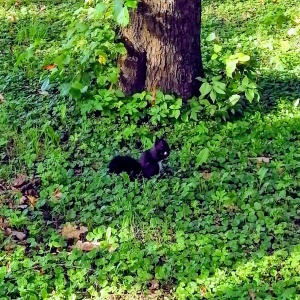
(281,262)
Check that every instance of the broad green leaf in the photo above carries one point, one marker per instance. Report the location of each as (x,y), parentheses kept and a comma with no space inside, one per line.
(84,89)
(249,95)
(220,85)
(230,67)
(217,78)
(65,88)
(176,114)
(240,57)
(119,94)
(252,85)
(245,81)
(194,115)
(257,206)
(121,13)
(243,57)
(169,97)
(205,89)
(262,173)
(211,37)
(202,156)
(131,3)
(214,56)
(3,271)
(77,85)
(108,231)
(45,84)
(218,90)
(212,110)
(213,95)
(177,104)
(217,48)
(99,9)
(234,99)
(81,27)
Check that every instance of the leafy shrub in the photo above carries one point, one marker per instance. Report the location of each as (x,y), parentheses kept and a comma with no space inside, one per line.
(221,94)
(86,60)
(113,103)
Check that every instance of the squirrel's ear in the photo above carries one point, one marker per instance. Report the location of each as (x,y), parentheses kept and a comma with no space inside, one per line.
(157,140)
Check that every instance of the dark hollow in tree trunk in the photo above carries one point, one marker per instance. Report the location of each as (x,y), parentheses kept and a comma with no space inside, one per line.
(163,48)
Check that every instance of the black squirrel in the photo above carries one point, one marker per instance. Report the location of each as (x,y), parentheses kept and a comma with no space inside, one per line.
(149,164)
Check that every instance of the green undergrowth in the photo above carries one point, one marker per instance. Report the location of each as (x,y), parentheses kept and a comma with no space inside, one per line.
(221,222)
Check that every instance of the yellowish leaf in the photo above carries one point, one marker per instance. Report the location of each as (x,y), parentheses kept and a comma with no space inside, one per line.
(102,59)
(112,247)
(285,46)
(291,31)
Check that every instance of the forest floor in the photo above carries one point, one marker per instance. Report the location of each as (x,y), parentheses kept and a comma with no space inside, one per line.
(227,230)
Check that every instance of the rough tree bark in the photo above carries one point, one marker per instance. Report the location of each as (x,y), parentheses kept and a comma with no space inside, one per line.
(163,48)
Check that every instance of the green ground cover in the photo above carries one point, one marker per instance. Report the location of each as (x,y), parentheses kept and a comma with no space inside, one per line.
(222,223)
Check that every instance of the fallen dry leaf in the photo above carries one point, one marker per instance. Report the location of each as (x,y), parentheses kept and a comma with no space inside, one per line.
(49,67)
(23,200)
(112,248)
(262,159)
(231,207)
(3,223)
(71,232)
(153,285)
(252,295)
(32,200)
(2,100)
(44,93)
(19,181)
(9,247)
(57,194)
(12,18)
(85,246)
(206,175)
(18,234)
(203,290)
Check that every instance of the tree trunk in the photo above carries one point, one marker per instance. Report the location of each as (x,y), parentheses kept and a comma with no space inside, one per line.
(163,48)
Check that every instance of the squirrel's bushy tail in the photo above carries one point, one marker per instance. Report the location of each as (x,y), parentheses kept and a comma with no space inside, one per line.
(126,164)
